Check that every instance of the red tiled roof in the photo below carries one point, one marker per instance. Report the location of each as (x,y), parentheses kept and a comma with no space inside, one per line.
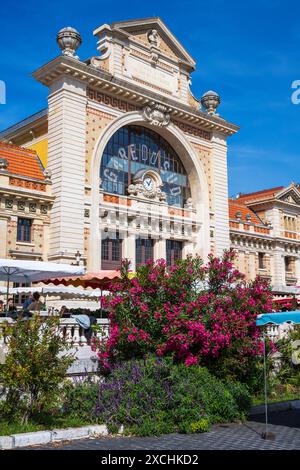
(259,195)
(21,161)
(236,206)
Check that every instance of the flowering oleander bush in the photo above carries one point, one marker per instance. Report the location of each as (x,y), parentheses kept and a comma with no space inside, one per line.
(155,396)
(193,313)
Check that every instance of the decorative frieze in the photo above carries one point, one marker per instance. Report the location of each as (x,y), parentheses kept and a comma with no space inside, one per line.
(111,101)
(31,185)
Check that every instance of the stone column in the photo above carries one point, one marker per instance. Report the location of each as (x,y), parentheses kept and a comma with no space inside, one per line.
(66,161)
(159,249)
(278,267)
(129,249)
(220,182)
(187,249)
(3,237)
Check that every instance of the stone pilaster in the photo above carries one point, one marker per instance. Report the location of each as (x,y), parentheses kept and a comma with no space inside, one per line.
(3,237)
(278,267)
(129,249)
(66,160)
(160,249)
(220,182)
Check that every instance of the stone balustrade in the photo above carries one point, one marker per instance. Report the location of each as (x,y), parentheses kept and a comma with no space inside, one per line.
(276,332)
(68,329)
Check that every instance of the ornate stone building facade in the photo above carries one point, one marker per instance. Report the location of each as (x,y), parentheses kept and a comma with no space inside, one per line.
(138,164)
(265,232)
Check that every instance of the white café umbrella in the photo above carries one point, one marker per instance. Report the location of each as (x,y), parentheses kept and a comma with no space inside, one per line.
(62,291)
(13,270)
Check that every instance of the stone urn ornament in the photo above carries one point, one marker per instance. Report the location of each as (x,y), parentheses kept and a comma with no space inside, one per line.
(210,101)
(69,40)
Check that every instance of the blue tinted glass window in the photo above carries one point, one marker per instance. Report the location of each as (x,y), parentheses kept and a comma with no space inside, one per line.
(135,148)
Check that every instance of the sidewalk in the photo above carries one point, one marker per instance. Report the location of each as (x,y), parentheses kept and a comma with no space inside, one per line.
(285,425)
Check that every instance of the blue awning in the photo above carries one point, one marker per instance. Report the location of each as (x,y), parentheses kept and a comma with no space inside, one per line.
(278,318)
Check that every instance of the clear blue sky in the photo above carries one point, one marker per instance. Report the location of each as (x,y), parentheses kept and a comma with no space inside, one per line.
(249,52)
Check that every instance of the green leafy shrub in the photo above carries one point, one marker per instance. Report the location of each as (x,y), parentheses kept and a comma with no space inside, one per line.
(288,372)
(35,367)
(80,400)
(156,396)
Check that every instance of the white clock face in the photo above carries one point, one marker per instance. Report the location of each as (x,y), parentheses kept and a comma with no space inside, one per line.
(148,183)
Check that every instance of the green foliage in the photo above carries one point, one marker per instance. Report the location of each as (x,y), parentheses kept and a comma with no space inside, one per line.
(80,400)
(288,372)
(35,366)
(156,396)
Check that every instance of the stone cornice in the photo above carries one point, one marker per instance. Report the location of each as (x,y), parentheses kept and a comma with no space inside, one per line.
(104,81)
(25,193)
(248,234)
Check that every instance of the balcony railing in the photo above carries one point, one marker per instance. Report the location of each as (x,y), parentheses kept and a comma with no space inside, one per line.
(69,329)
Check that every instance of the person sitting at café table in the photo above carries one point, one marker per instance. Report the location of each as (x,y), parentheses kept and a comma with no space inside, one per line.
(28,301)
(10,305)
(64,311)
(36,305)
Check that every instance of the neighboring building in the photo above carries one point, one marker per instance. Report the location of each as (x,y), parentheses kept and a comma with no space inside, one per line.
(25,204)
(138,164)
(265,232)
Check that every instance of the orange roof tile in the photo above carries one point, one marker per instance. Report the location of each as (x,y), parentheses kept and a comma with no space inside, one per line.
(259,195)
(236,206)
(21,161)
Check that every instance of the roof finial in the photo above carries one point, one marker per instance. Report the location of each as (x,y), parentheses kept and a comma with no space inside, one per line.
(210,101)
(69,41)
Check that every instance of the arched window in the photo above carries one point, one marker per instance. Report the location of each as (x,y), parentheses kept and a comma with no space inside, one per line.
(135,148)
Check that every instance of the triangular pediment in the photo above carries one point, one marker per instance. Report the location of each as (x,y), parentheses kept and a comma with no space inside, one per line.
(290,195)
(153,31)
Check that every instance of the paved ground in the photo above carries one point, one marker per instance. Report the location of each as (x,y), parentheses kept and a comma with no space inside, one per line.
(285,425)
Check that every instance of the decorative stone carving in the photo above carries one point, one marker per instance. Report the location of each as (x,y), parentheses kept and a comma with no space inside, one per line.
(153,37)
(210,101)
(9,203)
(44,209)
(86,212)
(69,41)
(157,114)
(21,205)
(153,191)
(32,207)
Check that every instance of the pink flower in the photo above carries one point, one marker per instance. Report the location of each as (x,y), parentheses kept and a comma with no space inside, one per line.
(131,338)
(191,360)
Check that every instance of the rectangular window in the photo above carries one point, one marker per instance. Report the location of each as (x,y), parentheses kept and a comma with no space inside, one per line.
(173,251)
(104,249)
(288,260)
(143,250)
(261,261)
(24,230)
(111,252)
